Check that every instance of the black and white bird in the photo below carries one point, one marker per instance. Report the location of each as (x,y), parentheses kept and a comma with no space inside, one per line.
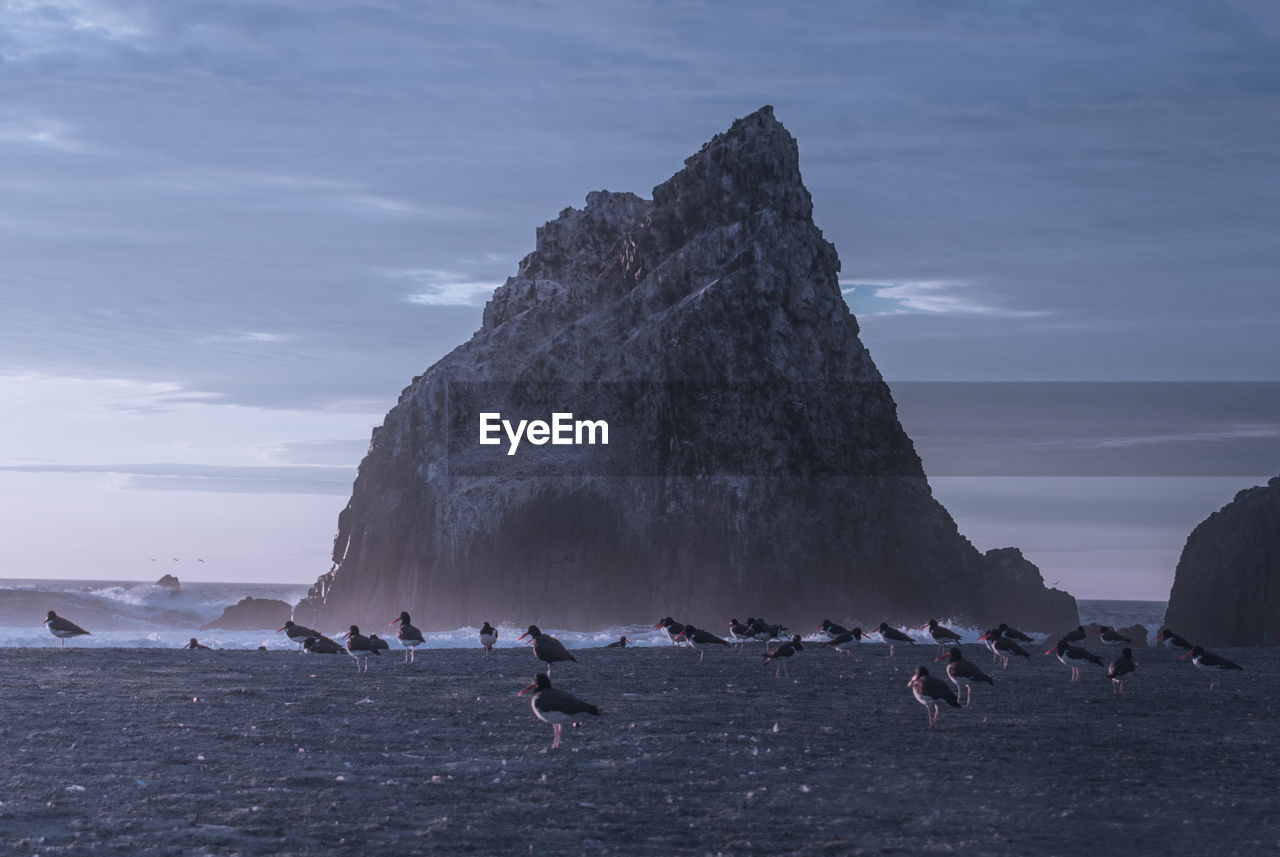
(893,636)
(360,647)
(555,706)
(1213,664)
(1109,636)
(1076,636)
(846,642)
(547,648)
(621,643)
(930,692)
(298,633)
(671,628)
(409,636)
(196,644)
(739,632)
(322,645)
(964,673)
(1120,668)
(488,636)
(63,628)
(1002,648)
(764,632)
(1014,633)
(379,645)
(831,629)
(701,640)
(942,636)
(1173,641)
(782,654)
(1074,657)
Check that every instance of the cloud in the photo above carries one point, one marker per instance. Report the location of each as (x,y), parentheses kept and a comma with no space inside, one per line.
(313,479)
(445,288)
(936,297)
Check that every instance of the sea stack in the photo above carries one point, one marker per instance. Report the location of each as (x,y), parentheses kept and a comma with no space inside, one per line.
(754,460)
(1226,590)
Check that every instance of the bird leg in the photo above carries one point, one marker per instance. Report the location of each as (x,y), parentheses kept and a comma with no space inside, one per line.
(556,743)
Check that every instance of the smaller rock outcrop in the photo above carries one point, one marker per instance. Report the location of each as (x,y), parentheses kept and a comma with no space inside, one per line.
(1017,589)
(1226,590)
(252,614)
(170,583)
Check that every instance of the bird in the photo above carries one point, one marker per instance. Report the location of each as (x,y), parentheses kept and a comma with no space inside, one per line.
(738,632)
(63,628)
(1211,663)
(298,633)
(409,636)
(1074,657)
(1120,668)
(892,636)
(547,648)
(929,692)
(846,641)
(196,644)
(555,706)
(322,645)
(701,640)
(379,645)
(1076,636)
(961,671)
(1014,633)
(621,643)
(783,653)
(360,646)
(1109,636)
(831,629)
(1173,641)
(1002,647)
(488,636)
(670,627)
(765,632)
(942,636)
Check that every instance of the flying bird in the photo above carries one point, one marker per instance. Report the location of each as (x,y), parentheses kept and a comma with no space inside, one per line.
(63,628)
(555,706)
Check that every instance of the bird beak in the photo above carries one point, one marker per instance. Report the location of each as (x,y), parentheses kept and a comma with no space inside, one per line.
(393,621)
(278,630)
(657,626)
(1184,655)
(45,622)
(527,689)
(1051,651)
(522,636)
(941,657)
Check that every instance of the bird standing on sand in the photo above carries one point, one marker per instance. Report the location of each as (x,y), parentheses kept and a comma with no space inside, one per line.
(701,640)
(1014,633)
(1002,647)
(409,636)
(1173,641)
(846,641)
(942,636)
(1109,636)
(621,643)
(670,627)
(1210,663)
(960,671)
(893,636)
(1076,636)
(547,648)
(488,636)
(63,628)
(1120,668)
(322,645)
(360,647)
(739,632)
(831,629)
(196,644)
(782,654)
(555,706)
(929,692)
(298,633)
(1074,657)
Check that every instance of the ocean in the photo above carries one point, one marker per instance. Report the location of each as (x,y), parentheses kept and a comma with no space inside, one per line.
(138,614)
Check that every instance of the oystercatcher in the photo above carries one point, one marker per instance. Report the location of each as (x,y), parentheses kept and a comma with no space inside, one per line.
(929,692)
(1211,663)
(63,628)
(701,640)
(1173,641)
(298,633)
(622,643)
(960,671)
(1014,633)
(1076,636)
(409,636)
(555,706)
(322,645)
(1002,648)
(846,641)
(196,644)
(1120,668)
(739,632)
(831,629)
(892,636)
(764,632)
(488,636)
(1074,657)
(547,648)
(670,627)
(942,636)
(379,645)
(360,647)
(782,654)
(1109,636)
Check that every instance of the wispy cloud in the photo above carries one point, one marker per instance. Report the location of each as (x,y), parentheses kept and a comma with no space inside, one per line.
(296,479)
(434,287)
(937,297)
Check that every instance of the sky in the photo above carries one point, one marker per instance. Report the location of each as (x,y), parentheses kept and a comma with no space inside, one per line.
(232,232)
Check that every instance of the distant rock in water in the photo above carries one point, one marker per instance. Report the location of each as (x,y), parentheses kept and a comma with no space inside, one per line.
(1226,590)
(755,462)
(170,583)
(252,614)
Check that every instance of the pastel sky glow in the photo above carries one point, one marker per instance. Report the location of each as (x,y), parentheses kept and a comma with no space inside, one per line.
(232,232)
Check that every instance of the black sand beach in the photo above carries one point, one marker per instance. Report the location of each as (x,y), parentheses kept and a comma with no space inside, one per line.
(150,752)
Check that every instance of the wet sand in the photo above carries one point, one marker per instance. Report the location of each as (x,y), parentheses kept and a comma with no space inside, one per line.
(146,752)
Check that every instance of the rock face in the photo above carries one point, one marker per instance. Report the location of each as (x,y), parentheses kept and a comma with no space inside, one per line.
(170,583)
(755,463)
(252,614)
(1226,590)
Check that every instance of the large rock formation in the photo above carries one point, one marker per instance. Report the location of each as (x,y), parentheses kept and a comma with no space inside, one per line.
(755,462)
(252,614)
(1226,590)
